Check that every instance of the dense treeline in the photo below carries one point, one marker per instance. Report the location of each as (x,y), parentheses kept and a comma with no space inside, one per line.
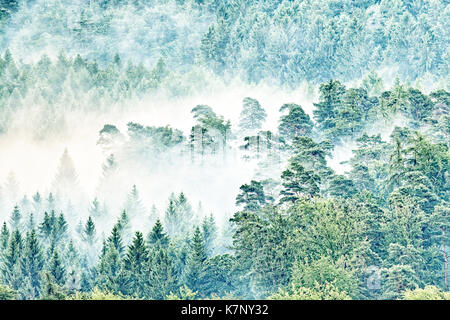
(285,41)
(379,231)
(301,229)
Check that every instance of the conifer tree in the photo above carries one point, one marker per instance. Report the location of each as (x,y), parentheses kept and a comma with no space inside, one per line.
(47,226)
(252,115)
(32,262)
(162,276)
(193,274)
(10,268)
(115,240)
(157,238)
(331,95)
(65,183)
(60,228)
(209,231)
(110,275)
(134,206)
(252,196)
(124,227)
(95,210)
(295,123)
(89,232)
(57,269)
(15,222)
(135,264)
(4,237)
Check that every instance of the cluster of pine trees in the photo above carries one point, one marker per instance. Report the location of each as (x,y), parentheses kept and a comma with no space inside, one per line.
(302,229)
(378,231)
(285,41)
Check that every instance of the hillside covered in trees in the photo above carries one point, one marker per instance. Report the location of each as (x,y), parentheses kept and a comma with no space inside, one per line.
(224,149)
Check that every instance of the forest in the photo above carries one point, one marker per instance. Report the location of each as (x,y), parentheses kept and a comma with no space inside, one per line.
(224,149)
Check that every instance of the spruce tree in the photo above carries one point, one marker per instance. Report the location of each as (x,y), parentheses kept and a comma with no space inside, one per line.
(295,123)
(252,115)
(89,232)
(10,268)
(115,240)
(57,269)
(124,227)
(15,222)
(4,237)
(157,238)
(162,275)
(135,265)
(252,196)
(193,273)
(209,231)
(32,262)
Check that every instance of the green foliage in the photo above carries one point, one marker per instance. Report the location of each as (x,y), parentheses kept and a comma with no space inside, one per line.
(6,293)
(252,115)
(428,293)
(295,123)
(252,196)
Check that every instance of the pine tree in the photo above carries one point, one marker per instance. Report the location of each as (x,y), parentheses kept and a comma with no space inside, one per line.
(193,274)
(440,224)
(135,265)
(252,115)
(10,268)
(57,269)
(331,95)
(252,196)
(66,180)
(157,238)
(37,203)
(89,232)
(124,227)
(134,206)
(110,274)
(209,231)
(115,240)
(51,202)
(162,275)
(32,262)
(340,186)
(4,237)
(171,219)
(295,123)
(95,210)
(47,226)
(30,223)
(298,182)
(60,228)
(15,219)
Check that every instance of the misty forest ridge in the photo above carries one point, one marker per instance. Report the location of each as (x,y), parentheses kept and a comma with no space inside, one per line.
(224,149)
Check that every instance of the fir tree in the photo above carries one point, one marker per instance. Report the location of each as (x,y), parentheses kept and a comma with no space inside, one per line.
(115,240)
(10,268)
(135,264)
(193,273)
(32,262)
(157,238)
(15,219)
(295,123)
(252,115)
(89,232)
(209,231)
(4,237)
(57,269)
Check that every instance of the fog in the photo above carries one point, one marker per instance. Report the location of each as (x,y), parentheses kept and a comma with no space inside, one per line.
(34,159)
